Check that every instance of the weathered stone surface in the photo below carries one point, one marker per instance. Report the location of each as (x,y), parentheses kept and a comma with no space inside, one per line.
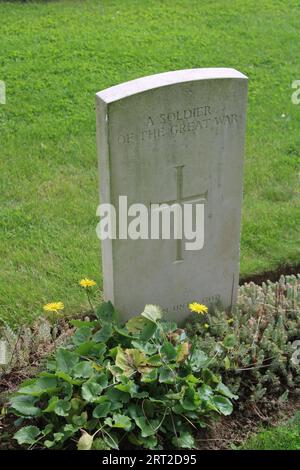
(169,137)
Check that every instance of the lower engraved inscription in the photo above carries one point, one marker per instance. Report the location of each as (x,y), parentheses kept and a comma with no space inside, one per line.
(213,299)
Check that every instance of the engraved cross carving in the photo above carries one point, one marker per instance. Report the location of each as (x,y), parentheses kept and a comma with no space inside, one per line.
(180,199)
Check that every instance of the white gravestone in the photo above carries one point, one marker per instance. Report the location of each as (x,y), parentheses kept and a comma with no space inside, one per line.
(175,137)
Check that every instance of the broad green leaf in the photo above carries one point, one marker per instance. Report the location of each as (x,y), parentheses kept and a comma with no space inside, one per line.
(124,332)
(122,362)
(39,386)
(117,405)
(141,395)
(191,399)
(47,429)
(149,442)
(184,441)
(167,375)
(90,390)
(106,313)
(229,341)
(117,395)
(67,378)
(48,444)
(111,439)
(65,433)
(101,379)
(224,390)
(80,421)
(177,395)
(66,360)
(100,444)
(119,421)
(85,442)
(148,427)
(25,405)
(66,390)
(227,363)
(155,361)
(223,404)
(136,324)
(178,408)
(102,410)
(58,436)
(51,365)
(147,348)
(116,372)
(149,377)
(83,369)
(113,352)
(129,387)
(192,379)
(91,348)
(205,392)
(183,351)
(70,428)
(169,326)
(82,335)
(198,360)
(152,313)
(133,409)
(135,357)
(209,377)
(62,408)
(148,331)
(169,351)
(51,405)
(130,360)
(103,335)
(27,435)
(133,439)
(77,405)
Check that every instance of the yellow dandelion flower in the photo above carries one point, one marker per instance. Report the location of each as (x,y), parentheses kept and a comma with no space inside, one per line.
(230,321)
(198,308)
(87,283)
(53,307)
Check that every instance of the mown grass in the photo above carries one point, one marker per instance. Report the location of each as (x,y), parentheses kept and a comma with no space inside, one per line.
(283,437)
(56,55)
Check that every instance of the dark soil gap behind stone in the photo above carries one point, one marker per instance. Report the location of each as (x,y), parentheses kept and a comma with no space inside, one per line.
(273,276)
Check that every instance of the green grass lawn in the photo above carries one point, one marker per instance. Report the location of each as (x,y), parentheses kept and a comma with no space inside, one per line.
(56,55)
(283,437)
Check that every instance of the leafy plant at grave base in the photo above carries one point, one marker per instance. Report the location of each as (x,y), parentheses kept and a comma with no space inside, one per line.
(253,346)
(143,384)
